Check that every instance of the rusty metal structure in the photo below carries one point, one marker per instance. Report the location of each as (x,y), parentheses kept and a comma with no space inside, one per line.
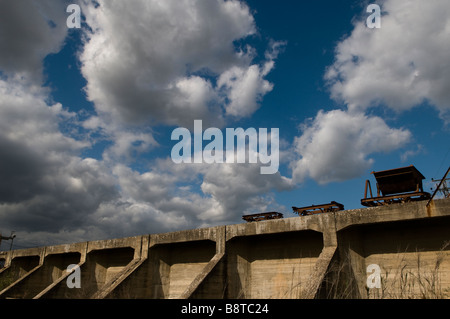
(318,209)
(397,185)
(262,216)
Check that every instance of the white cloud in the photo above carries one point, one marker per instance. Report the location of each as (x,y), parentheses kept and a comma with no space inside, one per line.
(204,194)
(144,62)
(244,87)
(402,64)
(158,61)
(412,153)
(45,185)
(336,145)
(29,31)
(129,145)
(235,186)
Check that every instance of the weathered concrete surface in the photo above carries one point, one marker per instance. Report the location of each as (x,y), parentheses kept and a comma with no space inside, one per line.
(319,256)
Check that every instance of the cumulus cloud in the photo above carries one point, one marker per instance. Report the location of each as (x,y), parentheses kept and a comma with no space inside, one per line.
(203,193)
(336,145)
(402,64)
(45,185)
(182,196)
(172,61)
(244,87)
(29,31)
(236,186)
(48,192)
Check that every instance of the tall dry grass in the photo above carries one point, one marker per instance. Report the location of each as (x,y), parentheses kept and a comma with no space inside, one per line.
(420,277)
(415,275)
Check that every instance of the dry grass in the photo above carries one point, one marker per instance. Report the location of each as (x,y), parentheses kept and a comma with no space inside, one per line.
(415,275)
(417,278)
(6,280)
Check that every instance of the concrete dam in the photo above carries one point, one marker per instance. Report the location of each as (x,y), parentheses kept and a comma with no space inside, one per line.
(393,251)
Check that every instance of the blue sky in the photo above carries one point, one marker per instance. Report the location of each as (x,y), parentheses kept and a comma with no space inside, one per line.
(87,114)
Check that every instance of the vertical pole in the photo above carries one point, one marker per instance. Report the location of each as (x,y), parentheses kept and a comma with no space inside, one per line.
(439,186)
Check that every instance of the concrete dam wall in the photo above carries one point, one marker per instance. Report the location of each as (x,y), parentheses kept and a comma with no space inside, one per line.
(394,251)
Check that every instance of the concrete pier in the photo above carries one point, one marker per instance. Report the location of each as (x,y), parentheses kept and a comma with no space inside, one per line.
(318,256)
